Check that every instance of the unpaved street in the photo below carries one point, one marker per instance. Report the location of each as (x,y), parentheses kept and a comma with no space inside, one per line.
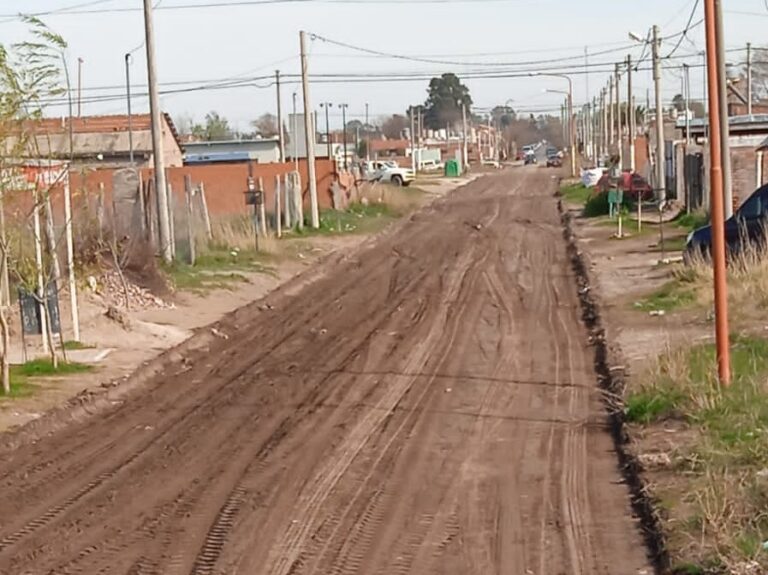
(427,407)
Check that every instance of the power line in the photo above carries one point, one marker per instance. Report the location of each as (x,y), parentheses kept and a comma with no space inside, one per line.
(688,28)
(457,63)
(244,3)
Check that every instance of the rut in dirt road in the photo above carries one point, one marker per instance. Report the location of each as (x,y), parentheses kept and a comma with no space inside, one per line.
(428,406)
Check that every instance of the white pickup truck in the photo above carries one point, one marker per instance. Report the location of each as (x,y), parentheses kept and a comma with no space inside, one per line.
(388,172)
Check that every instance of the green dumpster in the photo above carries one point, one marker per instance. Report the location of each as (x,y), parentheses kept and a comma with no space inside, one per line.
(452,169)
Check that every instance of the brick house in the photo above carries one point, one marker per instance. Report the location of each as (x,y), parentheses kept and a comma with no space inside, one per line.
(105,141)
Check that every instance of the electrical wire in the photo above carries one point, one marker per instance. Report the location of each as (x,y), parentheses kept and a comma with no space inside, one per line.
(688,28)
(246,3)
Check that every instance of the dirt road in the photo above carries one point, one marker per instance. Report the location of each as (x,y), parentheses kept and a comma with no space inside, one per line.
(427,407)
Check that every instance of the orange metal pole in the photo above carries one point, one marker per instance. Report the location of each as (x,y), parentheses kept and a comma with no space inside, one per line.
(716,202)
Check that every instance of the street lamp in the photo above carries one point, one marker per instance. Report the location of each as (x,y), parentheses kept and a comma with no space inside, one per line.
(571,126)
(327,106)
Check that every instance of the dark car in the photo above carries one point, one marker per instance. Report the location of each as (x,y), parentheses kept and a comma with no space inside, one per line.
(746,227)
(553,158)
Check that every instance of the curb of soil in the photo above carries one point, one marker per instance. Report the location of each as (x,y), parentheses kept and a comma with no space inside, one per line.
(613,384)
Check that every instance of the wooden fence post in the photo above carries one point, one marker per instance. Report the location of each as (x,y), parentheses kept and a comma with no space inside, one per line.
(278,214)
(190,218)
(172,230)
(206,215)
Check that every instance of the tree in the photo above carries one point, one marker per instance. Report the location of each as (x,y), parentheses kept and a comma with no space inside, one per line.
(443,106)
(503,115)
(394,126)
(266,125)
(30,77)
(216,128)
(697,108)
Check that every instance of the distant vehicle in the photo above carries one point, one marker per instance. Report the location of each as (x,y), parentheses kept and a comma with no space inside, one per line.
(431,165)
(531,159)
(528,150)
(554,160)
(389,172)
(746,227)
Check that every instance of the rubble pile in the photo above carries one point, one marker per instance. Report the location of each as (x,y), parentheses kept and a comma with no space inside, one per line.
(110,287)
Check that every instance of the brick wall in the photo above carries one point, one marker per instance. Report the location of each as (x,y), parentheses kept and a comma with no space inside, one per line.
(225,184)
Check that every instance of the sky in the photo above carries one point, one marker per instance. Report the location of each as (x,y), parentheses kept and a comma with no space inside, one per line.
(243,42)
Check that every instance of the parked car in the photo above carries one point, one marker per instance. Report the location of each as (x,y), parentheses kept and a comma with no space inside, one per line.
(388,171)
(431,166)
(636,186)
(530,159)
(746,227)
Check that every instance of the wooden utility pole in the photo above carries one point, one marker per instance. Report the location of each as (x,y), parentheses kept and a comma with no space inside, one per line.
(280,133)
(632,117)
(310,135)
(749,78)
(619,127)
(716,201)
(465,150)
(164,227)
(661,159)
(611,123)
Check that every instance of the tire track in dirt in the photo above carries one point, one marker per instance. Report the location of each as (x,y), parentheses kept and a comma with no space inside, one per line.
(415,411)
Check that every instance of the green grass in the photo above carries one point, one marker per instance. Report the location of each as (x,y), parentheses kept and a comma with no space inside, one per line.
(22,374)
(669,297)
(76,345)
(217,268)
(652,405)
(692,221)
(576,194)
(686,386)
(720,462)
(357,219)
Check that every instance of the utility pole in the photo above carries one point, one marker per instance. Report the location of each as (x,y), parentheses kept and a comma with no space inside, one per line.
(661,170)
(725,142)
(604,121)
(344,130)
(632,117)
(367,135)
(310,133)
(619,127)
(718,209)
(687,81)
(280,134)
(413,140)
(465,151)
(327,106)
(163,215)
(79,87)
(611,124)
(749,78)
(295,135)
(130,113)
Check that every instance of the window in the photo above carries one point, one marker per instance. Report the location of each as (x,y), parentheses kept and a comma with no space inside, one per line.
(755,206)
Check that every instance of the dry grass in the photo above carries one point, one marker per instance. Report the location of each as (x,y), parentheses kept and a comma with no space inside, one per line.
(717,494)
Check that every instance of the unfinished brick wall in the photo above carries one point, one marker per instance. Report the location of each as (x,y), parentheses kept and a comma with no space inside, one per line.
(225,184)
